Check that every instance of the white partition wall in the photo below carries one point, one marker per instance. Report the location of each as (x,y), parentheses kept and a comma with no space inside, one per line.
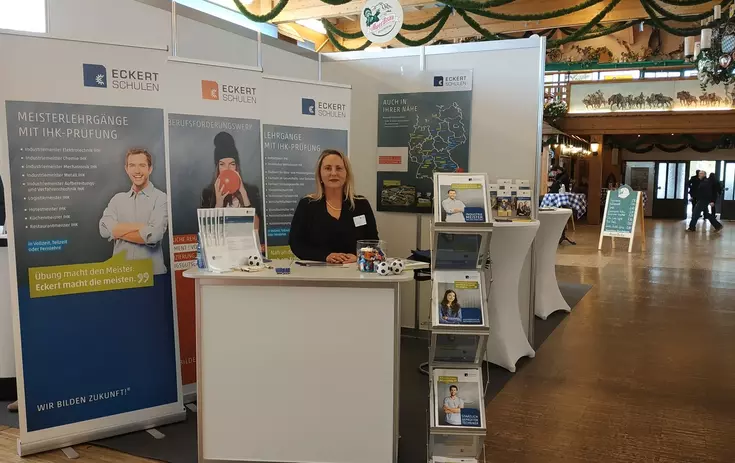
(199,36)
(505,131)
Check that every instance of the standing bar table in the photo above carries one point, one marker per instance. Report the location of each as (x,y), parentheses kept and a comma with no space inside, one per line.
(302,367)
(548,295)
(508,250)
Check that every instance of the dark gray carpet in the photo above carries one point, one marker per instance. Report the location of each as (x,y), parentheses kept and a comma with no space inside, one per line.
(7,418)
(180,444)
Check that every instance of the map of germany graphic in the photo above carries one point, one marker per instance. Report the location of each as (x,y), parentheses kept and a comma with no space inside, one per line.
(433,140)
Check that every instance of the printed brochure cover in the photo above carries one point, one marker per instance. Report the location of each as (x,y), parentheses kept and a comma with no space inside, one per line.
(461,198)
(458,398)
(505,201)
(523,207)
(458,298)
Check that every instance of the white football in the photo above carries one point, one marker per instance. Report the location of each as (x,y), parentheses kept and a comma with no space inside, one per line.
(255,261)
(382,268)
(396,266)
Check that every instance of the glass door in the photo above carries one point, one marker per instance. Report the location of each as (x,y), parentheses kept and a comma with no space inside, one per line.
(728,197)
(670,200)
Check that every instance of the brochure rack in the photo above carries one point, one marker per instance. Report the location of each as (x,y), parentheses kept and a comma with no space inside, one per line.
(460,327)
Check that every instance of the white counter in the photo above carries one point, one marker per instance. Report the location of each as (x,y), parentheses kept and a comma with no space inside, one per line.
(299,368)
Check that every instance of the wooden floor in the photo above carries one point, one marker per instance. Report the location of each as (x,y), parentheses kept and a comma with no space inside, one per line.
(643,369)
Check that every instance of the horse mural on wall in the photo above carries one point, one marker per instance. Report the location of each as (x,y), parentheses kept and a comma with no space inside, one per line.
(594,100)
(630,102)
(704,100)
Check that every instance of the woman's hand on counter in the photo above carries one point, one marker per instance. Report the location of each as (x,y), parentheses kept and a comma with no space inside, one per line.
(341,258)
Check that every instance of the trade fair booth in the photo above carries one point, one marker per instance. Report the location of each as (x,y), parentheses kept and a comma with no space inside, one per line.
(108,342)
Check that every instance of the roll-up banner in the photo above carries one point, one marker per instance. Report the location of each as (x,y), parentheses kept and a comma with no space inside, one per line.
(301,119)
(83,150)
(214,128)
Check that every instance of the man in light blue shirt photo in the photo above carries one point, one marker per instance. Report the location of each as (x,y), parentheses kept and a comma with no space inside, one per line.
(137,219)
(453,406)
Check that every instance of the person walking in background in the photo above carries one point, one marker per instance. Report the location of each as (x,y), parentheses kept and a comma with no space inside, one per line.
(693,185)
(705,199)
(560,178)
(716,192)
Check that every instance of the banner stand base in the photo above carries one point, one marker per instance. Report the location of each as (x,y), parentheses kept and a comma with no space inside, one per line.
(80,438)
(190,393)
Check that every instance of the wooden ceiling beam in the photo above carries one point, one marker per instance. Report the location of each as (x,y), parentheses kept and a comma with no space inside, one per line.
(716,122)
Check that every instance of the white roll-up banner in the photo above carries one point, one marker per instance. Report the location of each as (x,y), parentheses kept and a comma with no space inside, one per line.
(214,127)
(84,152)
(300,120)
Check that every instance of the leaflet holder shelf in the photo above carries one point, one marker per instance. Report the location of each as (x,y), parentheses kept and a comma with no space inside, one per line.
(460,253)
(454,443)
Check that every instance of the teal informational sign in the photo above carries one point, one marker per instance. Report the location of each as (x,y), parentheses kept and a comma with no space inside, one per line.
(620,212)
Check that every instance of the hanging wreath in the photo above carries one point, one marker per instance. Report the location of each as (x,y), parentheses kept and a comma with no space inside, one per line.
(715,65)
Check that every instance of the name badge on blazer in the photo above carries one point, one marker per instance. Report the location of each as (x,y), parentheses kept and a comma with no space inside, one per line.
(360,220)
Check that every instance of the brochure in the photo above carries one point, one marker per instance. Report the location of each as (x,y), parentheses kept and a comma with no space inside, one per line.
(524,205)
(513,197)
(456,348)
(493,192)
(460,198)
(505,201)
(458,398)
(457,298)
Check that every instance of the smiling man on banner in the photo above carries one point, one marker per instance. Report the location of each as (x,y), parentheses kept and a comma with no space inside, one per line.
(137,219)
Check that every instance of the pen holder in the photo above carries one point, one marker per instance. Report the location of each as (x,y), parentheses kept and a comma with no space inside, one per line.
(369,254)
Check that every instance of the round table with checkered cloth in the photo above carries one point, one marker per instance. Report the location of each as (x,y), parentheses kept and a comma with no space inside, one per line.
(574,201)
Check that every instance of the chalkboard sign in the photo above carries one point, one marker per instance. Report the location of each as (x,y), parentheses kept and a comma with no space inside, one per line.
(620,211)
(623,210)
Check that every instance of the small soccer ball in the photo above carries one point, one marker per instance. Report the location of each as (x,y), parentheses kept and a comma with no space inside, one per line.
(382,268)
(396,266)
(255,261)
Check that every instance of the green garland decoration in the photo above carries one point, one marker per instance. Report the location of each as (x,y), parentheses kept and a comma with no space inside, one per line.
(341,47)
(263,17)
(688,18)
(470,4)
(529,17)
(662,25)
(686,2)
(582,31)
(331,28)
(446,11)
(476,26)
(429,37)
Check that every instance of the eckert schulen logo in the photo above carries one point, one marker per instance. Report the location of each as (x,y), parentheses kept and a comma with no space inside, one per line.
(312,107)
(451,81)
(95,75)
(211,90)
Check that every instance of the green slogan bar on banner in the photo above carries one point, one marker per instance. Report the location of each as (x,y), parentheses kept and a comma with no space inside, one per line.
(114,273)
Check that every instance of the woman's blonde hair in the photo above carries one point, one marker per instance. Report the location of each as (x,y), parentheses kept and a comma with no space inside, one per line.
(348,189)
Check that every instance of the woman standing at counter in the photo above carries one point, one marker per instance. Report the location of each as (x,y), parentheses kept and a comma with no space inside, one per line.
(328,223)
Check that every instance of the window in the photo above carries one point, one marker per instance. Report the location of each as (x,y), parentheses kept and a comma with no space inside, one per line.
(620,75)
(23,15)
(226,9)
(690,73)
